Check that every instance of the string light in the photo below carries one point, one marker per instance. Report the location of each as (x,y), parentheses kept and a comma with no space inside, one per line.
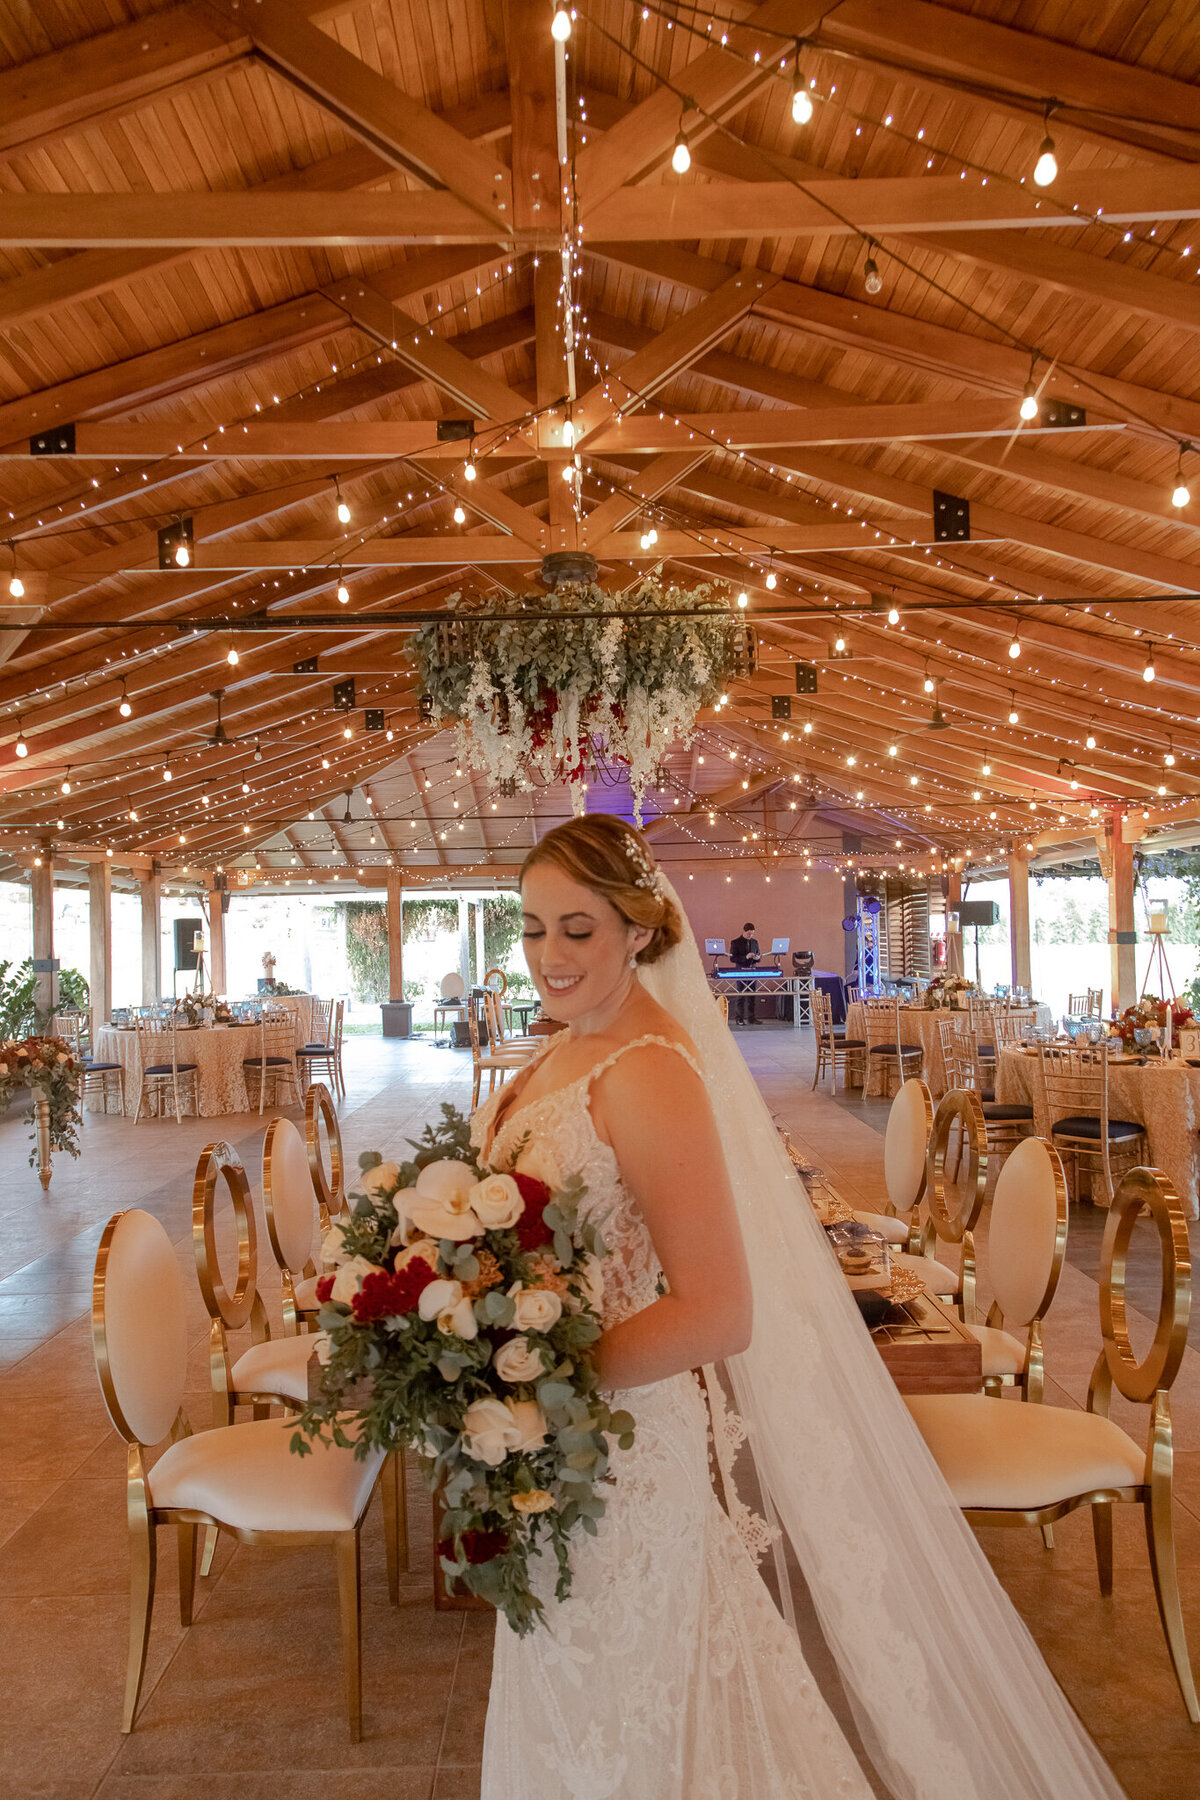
(1149,672)
(469,469)
(893,615)
(743,599)
(681,156)
(343,592)
(1014,649)
(771,578)
(872,279)
(65,786)
(343,511)
(560,24)
(1045,169)
(1029,399)
(1090,740)
(1014,717)
(125,709)
(16,586)
(21,747)
(1180,495)
(232,657)
(802,106)
(460,517)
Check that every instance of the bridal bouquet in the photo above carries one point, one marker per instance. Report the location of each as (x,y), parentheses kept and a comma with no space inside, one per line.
(457,1320)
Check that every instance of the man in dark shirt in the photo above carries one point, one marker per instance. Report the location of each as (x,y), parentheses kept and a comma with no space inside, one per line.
(744,954)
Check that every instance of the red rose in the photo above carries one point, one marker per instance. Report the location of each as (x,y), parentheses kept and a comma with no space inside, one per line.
(531,1228)
(324,1288)
(477,1546)
(382,1295)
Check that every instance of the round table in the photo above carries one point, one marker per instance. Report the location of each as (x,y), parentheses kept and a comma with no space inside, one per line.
(918,1024)
(216,1050)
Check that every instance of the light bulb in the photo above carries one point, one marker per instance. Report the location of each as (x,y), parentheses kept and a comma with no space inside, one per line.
(681,156)
(1168,759)
(1091,740)
(743,599)
(1179,494)
(652,533)
(167,776)
(459,516)
(469,470)
(560,25)
(61,824)
(644,540)
(1029,402)
(893,615)
(928,684)
(1014,649)
(232,658)
(343,511)
(568,432)
(872,279)
(343,592)
(771,579)
(987,769)
(1149,672)
(125,709)
(802,106)
(839,644)
(893,749)
(1045,170)
(568,473)
(66,786)
(22,748)
(1014,717)
(183,555)
(16,586)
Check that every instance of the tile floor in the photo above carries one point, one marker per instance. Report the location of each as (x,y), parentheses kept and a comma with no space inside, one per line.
(248,1702)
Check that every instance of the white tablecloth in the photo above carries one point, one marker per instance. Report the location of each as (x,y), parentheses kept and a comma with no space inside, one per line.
(216,1050)
(1164,1097)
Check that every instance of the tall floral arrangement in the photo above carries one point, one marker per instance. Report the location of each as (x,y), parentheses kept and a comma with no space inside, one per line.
(47,1067)
(623,673)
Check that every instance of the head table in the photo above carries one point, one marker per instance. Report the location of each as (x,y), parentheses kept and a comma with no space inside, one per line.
(1162,1096)
(918,1025)
(218,1052)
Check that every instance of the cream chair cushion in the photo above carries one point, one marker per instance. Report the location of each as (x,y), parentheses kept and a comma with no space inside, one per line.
(245,1476)
(292,1196)
(894,1230)
(1003,1354)
(280,1366)
(937,1277)
(306,1294)
(1000,1454)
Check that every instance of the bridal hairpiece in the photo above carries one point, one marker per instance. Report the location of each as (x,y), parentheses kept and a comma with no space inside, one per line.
(647,875)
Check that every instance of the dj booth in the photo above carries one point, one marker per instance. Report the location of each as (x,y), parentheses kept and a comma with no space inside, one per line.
(763,991)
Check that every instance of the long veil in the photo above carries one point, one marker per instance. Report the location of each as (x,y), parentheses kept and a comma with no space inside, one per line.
(948,1689)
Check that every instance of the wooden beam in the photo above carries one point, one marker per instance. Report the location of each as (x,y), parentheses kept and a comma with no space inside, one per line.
(433,357)
(663,473)
(239,220)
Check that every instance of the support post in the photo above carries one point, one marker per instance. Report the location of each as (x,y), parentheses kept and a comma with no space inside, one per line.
(151,886)
(480,953)
(100,940)
(217,978)
(1117,861)
(397,1012)
(41,881)
(1018,919)
(954,942)
(464,941)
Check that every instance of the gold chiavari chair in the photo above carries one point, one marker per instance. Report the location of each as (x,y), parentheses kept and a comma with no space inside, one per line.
(502,1039)
(290,1204)
(319,1035)
(834,1050)
(1095,1000)
(329,1054)
(276,1059)
(1031,1465)
(157,1038)
(1007,1122)
(899,1061)
(492,1064)
(1075,1085)
(242,1479)
(323,1141)
(1085,1005)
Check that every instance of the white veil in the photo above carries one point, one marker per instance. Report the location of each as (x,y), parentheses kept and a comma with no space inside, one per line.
(949,1691)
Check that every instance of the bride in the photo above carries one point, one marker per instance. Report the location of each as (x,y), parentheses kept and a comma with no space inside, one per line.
(669,1673)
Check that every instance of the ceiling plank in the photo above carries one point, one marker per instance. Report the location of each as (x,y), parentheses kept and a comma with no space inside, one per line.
(199,221)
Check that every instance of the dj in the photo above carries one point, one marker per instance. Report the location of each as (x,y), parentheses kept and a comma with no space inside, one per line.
(744,954)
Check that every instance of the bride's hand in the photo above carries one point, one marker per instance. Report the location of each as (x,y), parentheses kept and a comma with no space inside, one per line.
(652,1108)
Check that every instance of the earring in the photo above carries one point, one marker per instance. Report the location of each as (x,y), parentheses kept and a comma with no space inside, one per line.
(633,961)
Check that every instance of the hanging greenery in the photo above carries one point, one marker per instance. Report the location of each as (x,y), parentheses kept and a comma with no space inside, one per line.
(547,694)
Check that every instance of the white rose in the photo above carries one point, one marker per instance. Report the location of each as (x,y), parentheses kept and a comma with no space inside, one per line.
(333,1247)
(515,1361)
(323,1345)
(537,1309)
(350,1277)
(529,1422)
(438,1297)
(447,1182)
(490,1431)
(497,1203)
(379,1180)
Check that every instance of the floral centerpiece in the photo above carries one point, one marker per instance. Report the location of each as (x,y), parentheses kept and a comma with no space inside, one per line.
(48,1068)
(620,675)
(191,1006)
(946,990)
(1152,1013)
(466,1300)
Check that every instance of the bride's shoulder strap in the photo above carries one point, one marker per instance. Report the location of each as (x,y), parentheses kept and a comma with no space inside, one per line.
(651,1037)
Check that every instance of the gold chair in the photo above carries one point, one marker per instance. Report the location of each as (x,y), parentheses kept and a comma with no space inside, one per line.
(156,1036)
(242,1479)
(501,1064)
(290,1204)
(320,1031)
(1027,1241)
(1085,1005)
(899,1061)
(75,1028)
(834,1050)
(323,1139)
(276,1059)
(329,1053)
(953,1204)
(505,1040)
(905,1173)
(1031,1465)
(1007,1122)
(1075,1085)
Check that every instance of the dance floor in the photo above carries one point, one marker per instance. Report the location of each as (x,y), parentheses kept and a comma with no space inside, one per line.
(248,1703)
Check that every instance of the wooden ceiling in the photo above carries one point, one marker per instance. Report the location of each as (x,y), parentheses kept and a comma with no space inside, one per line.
(253,251)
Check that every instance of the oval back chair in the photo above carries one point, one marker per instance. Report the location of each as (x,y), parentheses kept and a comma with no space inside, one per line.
(326,1162)
(954,1200)
(290,1204)
(1027,1241)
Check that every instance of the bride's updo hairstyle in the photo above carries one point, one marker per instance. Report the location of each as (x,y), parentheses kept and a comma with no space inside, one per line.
(608,856)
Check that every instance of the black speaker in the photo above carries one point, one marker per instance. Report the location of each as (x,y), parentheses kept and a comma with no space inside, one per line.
(185,936)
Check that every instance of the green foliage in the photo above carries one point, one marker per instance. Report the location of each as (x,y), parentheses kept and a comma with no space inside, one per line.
(18,1014)
(72,988)
(366,947)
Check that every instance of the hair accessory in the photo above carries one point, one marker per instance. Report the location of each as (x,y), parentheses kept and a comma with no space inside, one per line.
(647,875)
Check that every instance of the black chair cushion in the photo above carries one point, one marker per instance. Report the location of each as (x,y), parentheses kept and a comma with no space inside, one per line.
(166,1069)
(314,1049)
(988,1050)
(896,1050)
(1000,1113)
(256,1062)
(845,1043)
(1081,1127)
(95,1068)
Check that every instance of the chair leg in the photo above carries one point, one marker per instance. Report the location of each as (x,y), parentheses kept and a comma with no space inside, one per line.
(143,1559)
(211,1535)
(395,1521)
(1102,1531)
(1048,1536)
(187,1570)
(475,1089)
(346,1550)
(1160,1540)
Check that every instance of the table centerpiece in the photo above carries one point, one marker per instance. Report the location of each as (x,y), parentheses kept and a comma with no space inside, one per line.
(1152,1014)
(948,991)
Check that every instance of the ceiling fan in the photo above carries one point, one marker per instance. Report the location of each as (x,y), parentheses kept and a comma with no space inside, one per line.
(218,738)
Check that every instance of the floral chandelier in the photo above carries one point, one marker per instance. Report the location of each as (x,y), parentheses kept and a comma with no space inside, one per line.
(584,676)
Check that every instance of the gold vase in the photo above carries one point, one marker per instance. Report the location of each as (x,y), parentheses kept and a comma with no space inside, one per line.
(41,1111)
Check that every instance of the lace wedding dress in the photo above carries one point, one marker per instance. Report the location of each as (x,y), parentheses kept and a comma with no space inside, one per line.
(668,1674)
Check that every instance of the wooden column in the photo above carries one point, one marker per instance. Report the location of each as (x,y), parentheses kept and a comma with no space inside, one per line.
(954,939)
(1116,859)
(100,939)
(464,943)
(217,978)
(1018,918)
(151,886)
(41,882)
(395,931)
(480,953)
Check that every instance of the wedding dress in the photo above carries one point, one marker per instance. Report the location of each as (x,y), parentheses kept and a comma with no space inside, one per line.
(669,1673)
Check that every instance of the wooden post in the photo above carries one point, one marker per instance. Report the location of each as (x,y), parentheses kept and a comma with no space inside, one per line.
(395,931)
(480,953)
(41,882)
(217,978)
(1116,858)
(1018,919)
(100,940)
(464,943)
(954,941)
(151,886)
